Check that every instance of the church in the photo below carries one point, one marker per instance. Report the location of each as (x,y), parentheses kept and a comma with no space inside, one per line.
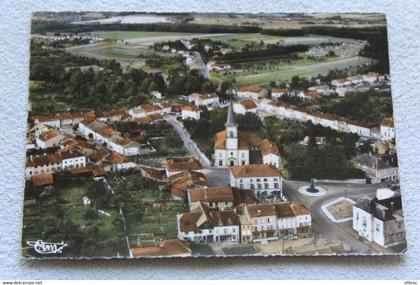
(233,147)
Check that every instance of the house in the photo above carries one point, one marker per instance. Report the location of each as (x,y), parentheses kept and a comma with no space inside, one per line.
(245,106)
(264,180)
(387,128)
(342,82)
(261,223)
(209,226)
(48,139)
(172,247)
(377,170)
(270,153)
(233,147)
(251,92)
(51,163)
(373,77)
(218,67)
(181,182)
(150,119)
(218,198)
(293,220)
(176,165)
(380,220)
(342,91)
(145,110)
(277,93)
(47,120)
(112,115)
(208,100)
(190,112)
(118,162)
(156,94)
(153,173)
(317,140)
(104,134)
(323,90)
(44,181)
(310,95)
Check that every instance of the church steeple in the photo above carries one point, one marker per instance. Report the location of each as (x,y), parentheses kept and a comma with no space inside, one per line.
(231,120)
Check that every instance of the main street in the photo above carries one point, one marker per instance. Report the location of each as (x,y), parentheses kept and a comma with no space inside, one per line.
(323,227)
(189,144)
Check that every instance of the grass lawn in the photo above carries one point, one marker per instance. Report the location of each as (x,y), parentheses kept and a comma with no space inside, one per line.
(201,249)
(341,210)
(239,250)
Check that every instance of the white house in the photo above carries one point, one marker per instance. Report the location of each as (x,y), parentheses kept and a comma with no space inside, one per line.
(51,121)
(263,179)
(209,226)
(156,94)
(277,93)
(245,106)
(373,77)
(387,128)
(190,112)
(145,110)
(270,153)
(376,169)
(211,99)
(48,139)
(380,220)
(251,92)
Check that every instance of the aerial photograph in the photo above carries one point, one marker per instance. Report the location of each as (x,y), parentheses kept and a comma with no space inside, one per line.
(219,134)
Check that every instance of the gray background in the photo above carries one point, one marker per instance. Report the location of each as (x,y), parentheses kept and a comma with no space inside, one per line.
(403,29)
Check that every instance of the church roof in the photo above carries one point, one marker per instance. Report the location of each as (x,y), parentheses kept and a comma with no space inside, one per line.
(244,140)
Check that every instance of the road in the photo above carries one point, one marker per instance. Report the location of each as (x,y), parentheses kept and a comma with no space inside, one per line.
(324,228)
(198,60)
(189,144)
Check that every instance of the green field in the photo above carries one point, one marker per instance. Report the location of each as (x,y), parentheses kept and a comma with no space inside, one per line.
(125,35)
(285,71)
(45,220)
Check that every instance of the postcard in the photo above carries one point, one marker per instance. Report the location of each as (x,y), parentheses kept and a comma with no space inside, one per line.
(219,134)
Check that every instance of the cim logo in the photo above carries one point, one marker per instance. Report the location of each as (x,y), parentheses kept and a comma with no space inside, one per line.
(42,247)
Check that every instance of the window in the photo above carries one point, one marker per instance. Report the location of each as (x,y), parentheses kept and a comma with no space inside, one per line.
(276,185)
(266,185)
(220,163)
(231,153)
(231,134)
(259,186)
(377,227)
(252,186)
(258,180)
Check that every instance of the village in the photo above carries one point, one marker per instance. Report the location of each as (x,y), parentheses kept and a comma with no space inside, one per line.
(161,178)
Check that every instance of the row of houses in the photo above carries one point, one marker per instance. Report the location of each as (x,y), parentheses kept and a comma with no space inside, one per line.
(327,120)
(104,134)
(213,219)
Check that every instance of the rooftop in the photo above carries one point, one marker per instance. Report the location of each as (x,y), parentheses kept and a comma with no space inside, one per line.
(254,170)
